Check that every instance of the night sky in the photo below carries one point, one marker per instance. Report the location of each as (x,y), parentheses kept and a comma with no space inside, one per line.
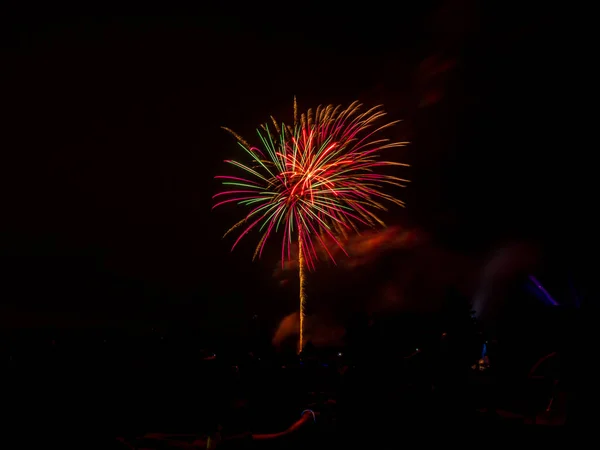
(111,137)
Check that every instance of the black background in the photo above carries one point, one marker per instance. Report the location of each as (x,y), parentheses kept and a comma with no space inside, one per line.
(110,140)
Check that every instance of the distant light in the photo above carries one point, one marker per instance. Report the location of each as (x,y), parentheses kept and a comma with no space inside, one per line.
(416,349)
(543,291)
(339,353)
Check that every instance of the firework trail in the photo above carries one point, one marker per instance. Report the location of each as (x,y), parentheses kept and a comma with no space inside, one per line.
(315,181)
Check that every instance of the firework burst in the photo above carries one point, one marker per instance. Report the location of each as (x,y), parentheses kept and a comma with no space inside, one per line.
(315,182)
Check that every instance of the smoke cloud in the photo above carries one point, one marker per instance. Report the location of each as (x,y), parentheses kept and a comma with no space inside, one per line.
(398,270)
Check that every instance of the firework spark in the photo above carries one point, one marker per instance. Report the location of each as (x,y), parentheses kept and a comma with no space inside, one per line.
(315,181)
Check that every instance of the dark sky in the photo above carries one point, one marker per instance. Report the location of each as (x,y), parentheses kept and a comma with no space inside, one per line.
(110,141)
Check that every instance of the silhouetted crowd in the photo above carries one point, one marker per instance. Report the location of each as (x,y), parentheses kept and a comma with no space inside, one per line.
(407,369)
